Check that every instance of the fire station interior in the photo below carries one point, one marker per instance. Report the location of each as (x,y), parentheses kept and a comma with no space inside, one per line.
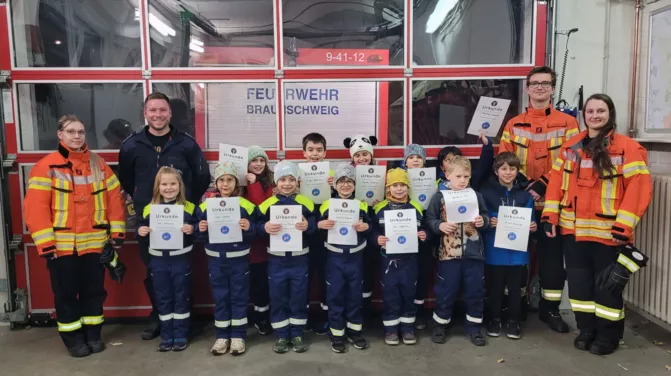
(405,71)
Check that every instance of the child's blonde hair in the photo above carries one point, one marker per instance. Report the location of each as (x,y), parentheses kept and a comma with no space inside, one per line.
(459,162)
(165,170)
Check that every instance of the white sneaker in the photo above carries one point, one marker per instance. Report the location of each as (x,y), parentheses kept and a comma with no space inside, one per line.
(220,347)
(237,346)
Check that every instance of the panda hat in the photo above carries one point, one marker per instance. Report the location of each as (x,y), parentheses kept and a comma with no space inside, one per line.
(360,143)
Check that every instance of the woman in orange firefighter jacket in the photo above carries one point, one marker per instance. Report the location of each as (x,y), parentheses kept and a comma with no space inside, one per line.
(598,191)
(75,214)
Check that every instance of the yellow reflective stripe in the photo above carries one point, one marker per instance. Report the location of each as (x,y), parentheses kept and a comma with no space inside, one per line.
(203,206)
(43,236)
(635,168)
(582,306)
(571,132)
(593,233)
(551,206)
(61,203)
(305,202)
(43,184)
(115,260)
(522,151)
(505,136)
(551,295)
(417,206)
(247,205)
(355,327)
(608,196)
(92,320)
(554,147)
(556,165)
(324,206)
(266,204)
(338,333)
(601,224)
(609,313)
(99,202)
(70,326)
(189,207)
(222,324)
(628,218)
(380,205)
(117,226)
(628,263)
(112,182)
(239,322)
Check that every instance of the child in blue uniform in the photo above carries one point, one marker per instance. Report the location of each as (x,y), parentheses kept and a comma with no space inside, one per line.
(288,271)
(171,269)
(398,271)
(229,265)
(344,266)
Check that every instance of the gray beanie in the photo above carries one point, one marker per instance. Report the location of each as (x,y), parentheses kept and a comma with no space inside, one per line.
(414,149)
(344,170)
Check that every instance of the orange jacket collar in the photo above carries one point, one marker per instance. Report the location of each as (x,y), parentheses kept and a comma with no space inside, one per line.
(539,112)
(67,153)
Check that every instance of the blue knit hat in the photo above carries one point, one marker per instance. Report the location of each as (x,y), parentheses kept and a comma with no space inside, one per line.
(414,149)
(285,168)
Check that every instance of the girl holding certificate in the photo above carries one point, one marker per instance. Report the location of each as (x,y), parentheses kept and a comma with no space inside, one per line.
(228,255)
(170,268)
(399,256)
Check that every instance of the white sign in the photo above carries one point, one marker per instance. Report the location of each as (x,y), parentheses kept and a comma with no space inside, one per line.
(239,156)
(223,220)
(345,213)
(166,222)
(400,227)
(7,106)
(461,206)
(370,183)
(489,116)
(422,185)
(512,229)
(289,239)
(314,181)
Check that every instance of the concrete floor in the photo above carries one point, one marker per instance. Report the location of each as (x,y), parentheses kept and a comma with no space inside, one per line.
(39,351)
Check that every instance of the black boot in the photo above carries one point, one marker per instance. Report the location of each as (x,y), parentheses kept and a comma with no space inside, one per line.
(153,330)
(602,347)
(554,320)
(93,341)
(76,343)
(79,351)
(584,340)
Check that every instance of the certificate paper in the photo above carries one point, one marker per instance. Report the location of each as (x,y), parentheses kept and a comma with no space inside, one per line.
(512,229)
(422,185)
(370,183)
(237,155)
(289,239)
(400,226)
(489,116)
(314,181)
(345,213)
(166,223)
(223,220)
(461,206)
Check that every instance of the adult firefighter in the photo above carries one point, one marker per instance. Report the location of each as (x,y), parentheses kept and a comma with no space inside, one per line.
(536,136)
(142,154)
(76,216)
(598,191)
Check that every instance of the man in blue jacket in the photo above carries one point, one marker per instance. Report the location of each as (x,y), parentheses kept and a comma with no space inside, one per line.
(159,144)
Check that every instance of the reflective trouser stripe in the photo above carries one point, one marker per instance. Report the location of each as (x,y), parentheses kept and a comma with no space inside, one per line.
(440,320)
(552,295)
(419,301)
(408,320)
(366,295)
(298,321)
(281,324)
(175,316)
(338,333)
(609,313)
(582,306)
(222,324)
(477,320)
(356,327)
(239,322)
(391,322)
(261,309)
(69,327)
(92,320)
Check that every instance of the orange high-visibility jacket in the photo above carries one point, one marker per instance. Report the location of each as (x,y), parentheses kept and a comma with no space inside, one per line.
(66,209)
(536,136)
(596,209)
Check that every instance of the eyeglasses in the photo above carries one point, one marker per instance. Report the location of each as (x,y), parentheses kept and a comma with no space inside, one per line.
(345,182)
(544,84)
(72,132)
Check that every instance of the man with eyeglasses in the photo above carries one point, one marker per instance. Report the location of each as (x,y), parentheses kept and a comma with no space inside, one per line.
(536,136)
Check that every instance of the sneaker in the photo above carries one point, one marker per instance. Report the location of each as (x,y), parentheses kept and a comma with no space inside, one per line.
(79,350)
(180,344)
(513,330)
(439,334)
(494,328)
(220,346)
(420,323)
(281,346)
(409,338)
(299,345)
(237,346)
(584,340)
(477,339)
(263,327)
(338,346)
(321,329)
(357,341)
(165,345)
(96,346)
(391,339)
(554,321)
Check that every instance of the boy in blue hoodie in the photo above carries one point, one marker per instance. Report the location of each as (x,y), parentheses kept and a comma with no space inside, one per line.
(505,268)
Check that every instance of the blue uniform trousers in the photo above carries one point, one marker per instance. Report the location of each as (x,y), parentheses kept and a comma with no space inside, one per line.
(288,280)
(399,285)
(344,279)
(229,277)
(172,290)
(467,275)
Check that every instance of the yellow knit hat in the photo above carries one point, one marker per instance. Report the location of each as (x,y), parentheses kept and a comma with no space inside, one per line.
(397,175)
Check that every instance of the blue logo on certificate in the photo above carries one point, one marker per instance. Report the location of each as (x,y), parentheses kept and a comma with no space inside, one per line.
(512,236)
(315,192)
(369,194)
(485,125)
(462,209)
(166,236)
(224,230)
(401,239)
(286,238)
(422,197)
(343,231)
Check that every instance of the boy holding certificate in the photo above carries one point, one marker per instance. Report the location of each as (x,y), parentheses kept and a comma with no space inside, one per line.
(505,268)
(226,226)
(282,217)
(397,228)
(460,253)
(347,223)
(169,222)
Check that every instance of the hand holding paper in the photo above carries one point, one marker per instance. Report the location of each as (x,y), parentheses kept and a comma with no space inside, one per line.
(272,228)
(326,224)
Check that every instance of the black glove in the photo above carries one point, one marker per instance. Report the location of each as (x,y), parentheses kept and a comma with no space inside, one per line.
(117,272)
(547,227)
(616,276)
(110,259)
(49,253)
